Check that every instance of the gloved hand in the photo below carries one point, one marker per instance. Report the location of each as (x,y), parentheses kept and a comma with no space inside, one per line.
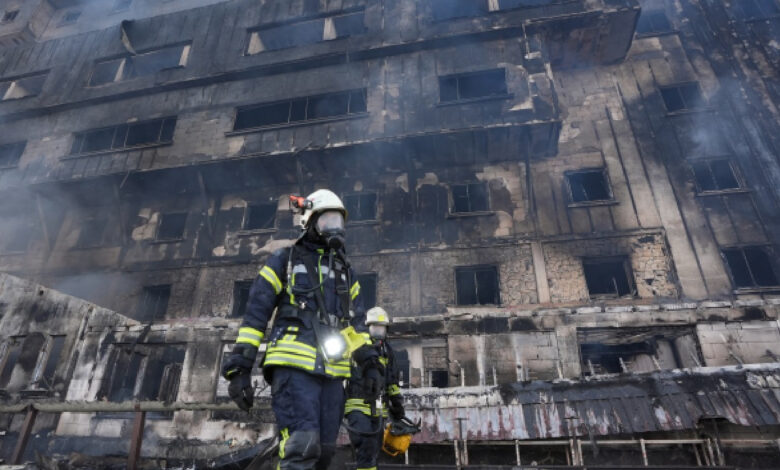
(241,391)
(395,406)
(373,382)
(240,361)
(365,355)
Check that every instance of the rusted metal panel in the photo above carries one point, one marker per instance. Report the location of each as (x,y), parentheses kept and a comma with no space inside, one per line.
(661,401)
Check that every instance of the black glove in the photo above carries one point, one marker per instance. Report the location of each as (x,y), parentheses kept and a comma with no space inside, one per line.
(396,407)
(240,361)
(366,355)
(373,382)
(241,390)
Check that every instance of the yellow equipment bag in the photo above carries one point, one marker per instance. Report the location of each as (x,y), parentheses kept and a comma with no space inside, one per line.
(394,445)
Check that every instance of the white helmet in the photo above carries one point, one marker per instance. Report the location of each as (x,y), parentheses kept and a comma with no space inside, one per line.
(377,316)
(320,201)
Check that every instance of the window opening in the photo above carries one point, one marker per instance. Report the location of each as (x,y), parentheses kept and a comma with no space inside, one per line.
(653,21)
(92,232)
(477,285)
(70,17)
(684,97)
(139,65)
(55,347)
(306,32)
(472,85)
(439,378)
(124,136)
(10,154)
(368,289)
(172,226)
(13,348)
(589,186)
(240,297)
(715,175)
(450,9)
(260,216)
(9,16)
(609,277)
(301,109)
(154,302)
(472,197)
(360,207)
(22,87)
(750,266)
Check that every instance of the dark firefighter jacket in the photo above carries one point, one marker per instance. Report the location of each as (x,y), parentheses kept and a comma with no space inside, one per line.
(356,397)
(292,341)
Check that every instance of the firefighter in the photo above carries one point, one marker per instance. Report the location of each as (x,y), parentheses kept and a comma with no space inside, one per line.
(365,414)
(307,356)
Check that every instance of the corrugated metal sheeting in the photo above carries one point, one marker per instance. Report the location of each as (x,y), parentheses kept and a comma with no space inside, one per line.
(607,406)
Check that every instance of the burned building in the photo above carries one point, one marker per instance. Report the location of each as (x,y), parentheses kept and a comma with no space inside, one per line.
(570,207)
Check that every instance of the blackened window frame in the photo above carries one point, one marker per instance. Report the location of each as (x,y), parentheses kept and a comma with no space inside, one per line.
(156,312)
(159,238)
(245,222)
(458,77)
(14,150)
(291,102)
(185,51)
(469,186)
(238,287)
(360,198)
(764,253)
(651,19)
(7,354)
(702,105)
(627,271)
(590,202)
(474,269)
(69,18)
(733,167)
(164,137)
(301,21)
(363,285)
(11,81)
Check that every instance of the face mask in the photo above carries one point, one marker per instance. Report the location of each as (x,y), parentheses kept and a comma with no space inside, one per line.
(330,226)
(377,331)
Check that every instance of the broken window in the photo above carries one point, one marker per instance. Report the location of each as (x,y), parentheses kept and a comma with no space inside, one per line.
(9,356)
(309,108)
(620,350)
(472,85)
(240,298)
(472,197)
(70,17)
(750,266)
(124,136)
(260,216)
(477,285)
(10,154)
(9,16)
(608,277)
(52,354)
(715,175)
(171,226)
(653,22)
(449,9)
(306,32)
(146,63)
(154,302)
(143,372)
(683,97)
(360,207)
(439,378)
(92,232)
(756,9)
(589,186)
(367,289)
(22,87)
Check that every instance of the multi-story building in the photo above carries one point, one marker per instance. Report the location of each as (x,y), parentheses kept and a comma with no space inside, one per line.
(571,205)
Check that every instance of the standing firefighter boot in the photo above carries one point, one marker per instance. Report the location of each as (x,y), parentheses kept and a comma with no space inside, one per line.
(299,450)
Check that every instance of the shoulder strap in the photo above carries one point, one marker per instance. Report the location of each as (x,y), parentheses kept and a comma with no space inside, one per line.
(310,270)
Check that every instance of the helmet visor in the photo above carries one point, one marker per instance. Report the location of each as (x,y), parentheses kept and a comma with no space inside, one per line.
(330,221)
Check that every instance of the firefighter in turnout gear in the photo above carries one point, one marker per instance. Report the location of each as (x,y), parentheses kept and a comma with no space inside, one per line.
(372,392)
(318,310)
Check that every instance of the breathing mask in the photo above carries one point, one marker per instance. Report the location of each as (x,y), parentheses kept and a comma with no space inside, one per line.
(330,226)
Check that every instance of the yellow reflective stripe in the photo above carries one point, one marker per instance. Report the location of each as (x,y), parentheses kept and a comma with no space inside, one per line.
(383,361)
(393,390)
(285,435)
(336,371)
(289,290)
(292,350)
(286,360)
(249,335)
(269,275)
(296,344)
(355,290)
(366,468)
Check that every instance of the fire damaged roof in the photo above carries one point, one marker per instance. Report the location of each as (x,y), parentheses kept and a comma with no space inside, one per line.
(617,405)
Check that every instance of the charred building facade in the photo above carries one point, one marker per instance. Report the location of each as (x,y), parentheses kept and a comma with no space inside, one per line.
(570,207)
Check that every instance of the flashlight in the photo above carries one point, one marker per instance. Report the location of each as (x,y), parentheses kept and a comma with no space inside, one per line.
(334,347)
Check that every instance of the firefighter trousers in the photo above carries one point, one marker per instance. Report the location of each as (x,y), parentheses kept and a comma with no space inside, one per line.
(367,440)
(308,411)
